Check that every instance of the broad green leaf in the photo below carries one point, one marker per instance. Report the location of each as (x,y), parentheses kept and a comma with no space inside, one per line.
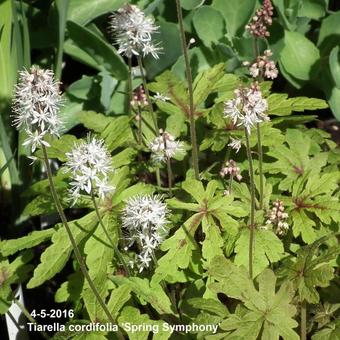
(310,269)
(59,147)
(314,9)
(179,248)
(280,105)
(209,305)
(54,258)
(236,14)
(330,332)
(99,253)
(335,65)
(10,247)
(103,53)
(70,291)
(205,83)
(83,12)
(268,249)
(265,309)
(11,273)
(171,49)
(213,32)
(117,133)
(213,241)
(147,291)
(94,121)
(304,226)
(194,188)
(119,296)
(299,55)
(329,31)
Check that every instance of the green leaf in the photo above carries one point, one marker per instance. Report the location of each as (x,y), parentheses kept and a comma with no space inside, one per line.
(299,55)
(83,12)
(94,121)
(265,309)
(335,65)
(314,9)
(117,133)
(99,50)
(213,241)
(10,247)
(205,83)
(54,258)
(150,292)
(168,36)
(303,225)
(329,32)
(99,253)
(70,291)
(11,273)
(280,105)
(209,305)
(59,147)
(310,269)
(119,296)
(330,332)
(236,14)
(180,247)
(268,249)
(213,32)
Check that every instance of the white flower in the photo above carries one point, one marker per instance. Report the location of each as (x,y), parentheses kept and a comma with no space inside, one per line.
(132,32)
(144,221)
(90,165)
(165,147)
(235,144)
(161,97)
(248,108)
(36,104)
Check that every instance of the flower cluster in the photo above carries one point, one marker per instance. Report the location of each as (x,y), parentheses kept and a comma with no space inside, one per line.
(144,220)
(263,66)
(139,98)
(231,169)
(165,147)
(247,108)
(277,217)
(89,163)
(36,105)
(133,32)
(258,27)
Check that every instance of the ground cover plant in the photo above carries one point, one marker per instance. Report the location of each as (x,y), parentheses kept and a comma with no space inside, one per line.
(163,174)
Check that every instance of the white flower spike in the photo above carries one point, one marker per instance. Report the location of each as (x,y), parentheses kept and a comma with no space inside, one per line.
(132,32)
(248,107)
(144,221)
(89,163)
(36,104)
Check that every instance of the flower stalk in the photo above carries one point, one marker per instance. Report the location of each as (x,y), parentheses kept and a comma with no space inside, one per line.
(252,204)
(193,136)
(303,320)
